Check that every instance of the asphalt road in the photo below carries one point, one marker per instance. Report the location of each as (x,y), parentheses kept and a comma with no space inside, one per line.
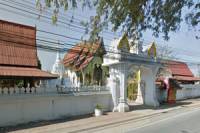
(188,122)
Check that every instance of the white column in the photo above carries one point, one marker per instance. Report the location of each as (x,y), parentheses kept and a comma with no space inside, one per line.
(123,106)
(113,84)
(149,76)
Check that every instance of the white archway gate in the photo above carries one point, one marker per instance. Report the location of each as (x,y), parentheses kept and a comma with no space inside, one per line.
(120,63)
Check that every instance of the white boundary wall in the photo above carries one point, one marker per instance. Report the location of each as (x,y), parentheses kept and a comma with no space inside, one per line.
(188,91)
(26,108)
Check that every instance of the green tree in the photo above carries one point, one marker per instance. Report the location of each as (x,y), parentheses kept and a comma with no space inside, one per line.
(39,64)
(133,16)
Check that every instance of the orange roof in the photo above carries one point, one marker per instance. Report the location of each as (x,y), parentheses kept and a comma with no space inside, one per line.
(85,63)
(10,71)
(79,56)
(180,71)
(18,52)
(179,68)
(17,44)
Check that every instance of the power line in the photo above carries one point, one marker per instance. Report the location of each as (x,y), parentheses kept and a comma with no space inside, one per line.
(68,37)
(79,39)
(51,23)
(78,27)
(41,46)
(62,18)
(43,31)
(64,48)
(40,20)
(10,35)
(6,33)
(186,52)
(78,20)
(50,41)
(24,6)
(48,38)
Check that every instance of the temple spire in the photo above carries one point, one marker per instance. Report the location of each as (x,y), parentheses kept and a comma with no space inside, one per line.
(58,67)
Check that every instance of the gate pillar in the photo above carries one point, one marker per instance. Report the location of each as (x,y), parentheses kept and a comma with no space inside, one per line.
(123,106)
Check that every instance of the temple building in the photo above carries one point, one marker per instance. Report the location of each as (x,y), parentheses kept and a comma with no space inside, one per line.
(83,64)
(171,77)
(178,71)
(19,63)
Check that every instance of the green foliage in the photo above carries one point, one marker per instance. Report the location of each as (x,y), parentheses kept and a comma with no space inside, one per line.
(105,71)
(193,17)
(160,16)
(89,68)
(19,83)
(11,82)
(54,19)
(56,4)
(133,16)
(97,60)
(39,64)
(98,106)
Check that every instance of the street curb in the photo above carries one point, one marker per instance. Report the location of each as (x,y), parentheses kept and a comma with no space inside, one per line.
(135,119)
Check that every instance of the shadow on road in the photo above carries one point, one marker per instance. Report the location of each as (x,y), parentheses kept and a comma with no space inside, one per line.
(41,123)
(162,106)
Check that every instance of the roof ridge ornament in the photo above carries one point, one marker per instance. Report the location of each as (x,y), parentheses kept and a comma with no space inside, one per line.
(152,51)
(123,43)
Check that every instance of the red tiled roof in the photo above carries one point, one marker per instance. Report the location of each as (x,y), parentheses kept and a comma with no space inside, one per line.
(17,44)
(179,69)
(72,54)
(18,52)
(9,71)
(85,63)
(79,56)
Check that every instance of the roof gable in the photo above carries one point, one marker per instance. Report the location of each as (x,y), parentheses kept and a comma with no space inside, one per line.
(17,44)
(152,50)
(79,56)
(179,69)
(123,43)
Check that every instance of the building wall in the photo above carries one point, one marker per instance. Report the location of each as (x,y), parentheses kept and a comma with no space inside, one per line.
(188,91)
(26,108)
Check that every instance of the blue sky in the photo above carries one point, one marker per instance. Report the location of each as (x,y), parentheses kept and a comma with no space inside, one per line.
(183,42)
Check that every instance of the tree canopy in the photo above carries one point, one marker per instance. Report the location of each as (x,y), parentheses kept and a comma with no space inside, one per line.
(134,16)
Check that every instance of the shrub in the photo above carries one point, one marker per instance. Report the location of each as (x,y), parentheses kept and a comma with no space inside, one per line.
(98,106)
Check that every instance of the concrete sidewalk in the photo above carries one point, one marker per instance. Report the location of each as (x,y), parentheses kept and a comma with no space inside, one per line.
(138,112)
